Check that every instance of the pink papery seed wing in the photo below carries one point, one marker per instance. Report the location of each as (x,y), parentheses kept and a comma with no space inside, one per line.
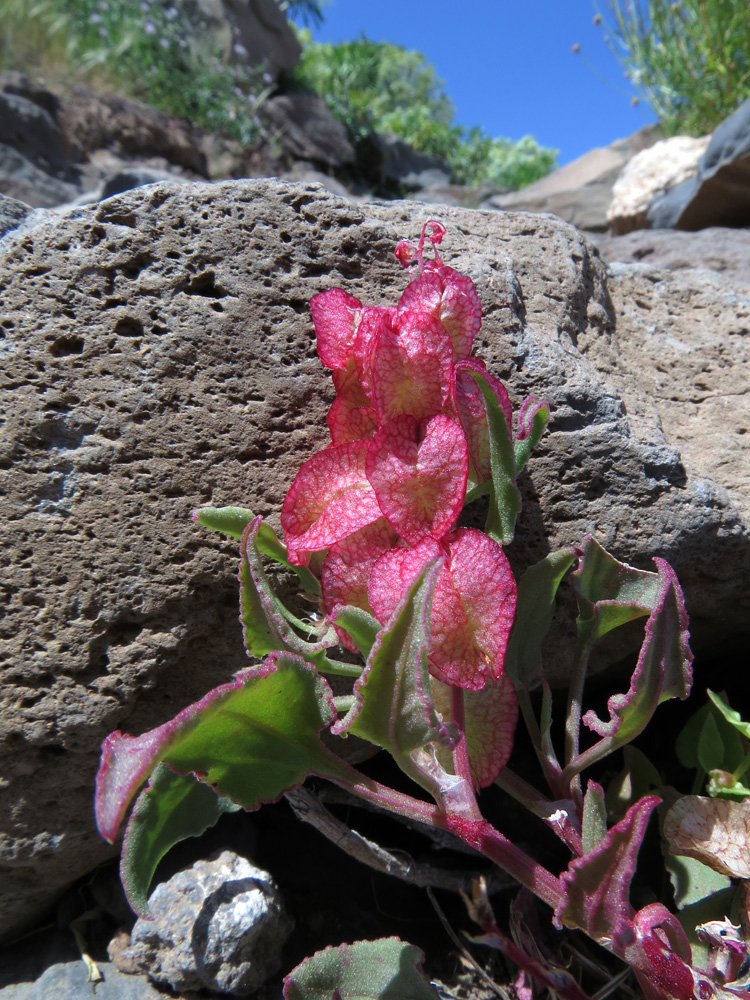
(329,499)
(469,404)
(472,611)
(491,715)
(472,606)
(346,570)
(451,298)
(411,367)
(372,321)
(335,314)
(393,574)
(420,485)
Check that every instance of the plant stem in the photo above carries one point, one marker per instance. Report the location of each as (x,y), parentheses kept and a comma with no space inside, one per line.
(461,765)
(542,807)
(559,982)
(483,837)
(575,702)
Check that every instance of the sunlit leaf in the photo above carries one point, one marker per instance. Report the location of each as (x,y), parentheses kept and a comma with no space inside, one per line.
(251,740)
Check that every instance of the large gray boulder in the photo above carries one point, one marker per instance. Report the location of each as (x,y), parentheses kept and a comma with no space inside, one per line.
(158,355)
(719,193)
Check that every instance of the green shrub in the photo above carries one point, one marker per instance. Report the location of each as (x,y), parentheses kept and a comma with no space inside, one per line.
(690,60)
(160,52)
(380,87)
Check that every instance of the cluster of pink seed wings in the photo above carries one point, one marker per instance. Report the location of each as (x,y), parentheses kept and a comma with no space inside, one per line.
(408,427)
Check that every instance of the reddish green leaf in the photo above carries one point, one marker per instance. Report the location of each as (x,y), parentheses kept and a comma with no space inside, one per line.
(251,740)
(491,715)
(335,315)
(171,808)
(393,708)
(411,367)
(597,886)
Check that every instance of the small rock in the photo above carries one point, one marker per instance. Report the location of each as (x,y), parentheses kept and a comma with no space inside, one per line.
(69,981)
(220,924)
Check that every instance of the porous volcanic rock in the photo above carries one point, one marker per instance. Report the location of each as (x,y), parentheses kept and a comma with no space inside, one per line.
(726,251)
(158,355)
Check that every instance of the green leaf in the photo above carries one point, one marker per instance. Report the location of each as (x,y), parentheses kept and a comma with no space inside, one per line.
(387,969)
(234,520)
(267,624)
(664,668)
(505,500)
(692,880)
(710,745)
(230,520)
(393,708)
(251,740)
(361,626)
(611,593)
(172,808)
(524,446)
(686,744)
(535,609)
(733,717)
(594,823)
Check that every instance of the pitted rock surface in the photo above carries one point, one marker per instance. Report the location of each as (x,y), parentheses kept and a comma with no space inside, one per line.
(158,355)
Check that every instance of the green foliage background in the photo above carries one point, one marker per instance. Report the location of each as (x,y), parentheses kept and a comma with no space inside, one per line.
(690,59)
(380,87)
(161,52)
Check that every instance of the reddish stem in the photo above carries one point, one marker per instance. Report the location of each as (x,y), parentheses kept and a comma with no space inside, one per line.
(483,837)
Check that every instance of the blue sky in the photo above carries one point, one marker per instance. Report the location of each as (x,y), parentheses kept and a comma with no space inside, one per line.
(507,65)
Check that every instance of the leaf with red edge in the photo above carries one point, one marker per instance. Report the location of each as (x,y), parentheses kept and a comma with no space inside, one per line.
(351,417)
(347,566)
(505,500)
(251,740)
(419,484)
(267,624)
(351,423)
(490,725)
(532,422)
(472,611)
(335,314)
(329,499)
(393,708)
(597,886)
(411,367)
(451,298)
(664,668)
(472,412)
(472,608)
(386,969)
(611,593)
